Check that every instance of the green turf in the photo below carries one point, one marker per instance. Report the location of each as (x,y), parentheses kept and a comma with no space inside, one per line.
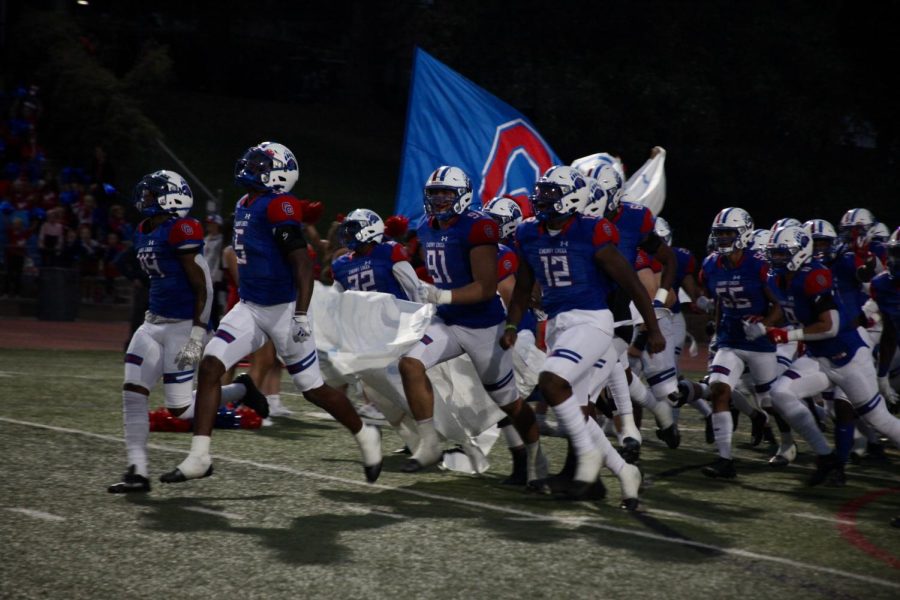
(287,514)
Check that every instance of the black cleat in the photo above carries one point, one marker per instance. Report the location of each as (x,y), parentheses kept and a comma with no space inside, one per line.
(723,468)
(630,504)
(131,482)
(758,427)
(519,475)
(373,472)
(709,432)
(176,476)
(824,466)
(253,398)
(631,450)
(582,490)
(670,435)
(412,466)
(403,450)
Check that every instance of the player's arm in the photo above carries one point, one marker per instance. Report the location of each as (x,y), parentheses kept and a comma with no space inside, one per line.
(614,264)
(518,302)
(229,261)
(649,280)
(774,314)
(199,279)
(409,281)
(292,245)
(654,245)
(483,259)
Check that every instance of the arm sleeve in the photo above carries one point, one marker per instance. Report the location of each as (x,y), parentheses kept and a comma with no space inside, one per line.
(409,281)
(186,235)
(484,231)
(207,307)
(604,233)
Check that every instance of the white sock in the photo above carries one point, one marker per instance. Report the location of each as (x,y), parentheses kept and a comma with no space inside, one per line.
(427,433)
(611,458)
(723,427)
(137,429)
(742,403)
(274,398)
(629,429)
(512,437)
(569,415)
(801,420)
(233,392)
(200,446)
(618,386)
(702,406)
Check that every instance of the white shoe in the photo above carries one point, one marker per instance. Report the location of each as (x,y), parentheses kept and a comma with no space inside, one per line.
(427,454)
(630,481)
(479,461)
(277,408)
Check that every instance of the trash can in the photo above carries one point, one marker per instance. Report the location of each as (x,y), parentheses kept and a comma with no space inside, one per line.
(58,294)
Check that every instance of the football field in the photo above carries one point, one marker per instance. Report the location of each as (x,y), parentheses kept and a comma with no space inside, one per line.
(288,514)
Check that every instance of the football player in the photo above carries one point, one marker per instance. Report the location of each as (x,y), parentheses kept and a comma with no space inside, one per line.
(460,248)
(738,281)
(169,246)
(575,260)
(276,285)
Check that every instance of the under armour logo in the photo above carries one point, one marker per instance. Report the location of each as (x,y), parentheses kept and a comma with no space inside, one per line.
(564,243)
(445,238)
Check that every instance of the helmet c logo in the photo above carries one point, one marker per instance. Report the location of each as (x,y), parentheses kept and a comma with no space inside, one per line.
(287,208)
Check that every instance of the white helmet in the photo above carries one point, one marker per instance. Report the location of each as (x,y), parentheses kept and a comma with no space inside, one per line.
(163,192)
(825,239)
(361,226)
(736,220)
(759,240)
(589,163)
(451,179)
(878,233)
(854,225)
(663,230)
(612,185)
(506,213)
(790,248)
(560,191)
(785,222)
(268,166)
(596,201)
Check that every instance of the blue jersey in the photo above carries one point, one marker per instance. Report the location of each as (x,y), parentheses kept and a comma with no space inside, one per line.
(811,284)
(171,294)
(447,257)
(846,284)
(885,290)
(739,293)
(372,272)
(634,223)
(507,265)
(266,277)
(564,263)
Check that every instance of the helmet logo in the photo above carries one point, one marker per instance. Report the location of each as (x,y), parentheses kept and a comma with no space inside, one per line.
(187,229)
(287,208)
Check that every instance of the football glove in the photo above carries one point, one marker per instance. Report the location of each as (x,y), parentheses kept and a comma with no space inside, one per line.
(300,328)
(435,295)
(193,349)
(753,328)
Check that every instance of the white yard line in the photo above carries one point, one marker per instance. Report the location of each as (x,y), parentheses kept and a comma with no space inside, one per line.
(591,524)
(37,514)
(215,513)
(823,518)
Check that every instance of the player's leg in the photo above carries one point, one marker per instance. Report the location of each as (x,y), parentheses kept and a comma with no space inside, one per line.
(439,344)
(725,373)
(858,380)
(143,368)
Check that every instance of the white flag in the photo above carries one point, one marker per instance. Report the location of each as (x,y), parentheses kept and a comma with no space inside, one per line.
(648,184)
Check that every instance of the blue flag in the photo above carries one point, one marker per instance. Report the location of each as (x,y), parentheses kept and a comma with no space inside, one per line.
(451,121)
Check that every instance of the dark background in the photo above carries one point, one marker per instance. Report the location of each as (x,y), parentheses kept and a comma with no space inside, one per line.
(784,108)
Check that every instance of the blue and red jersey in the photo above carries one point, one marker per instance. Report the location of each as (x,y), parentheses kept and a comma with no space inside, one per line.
(811,284)
(564,264)
(265,275)
(171,294)
(846,283)
(447,257)
(740,292)
(371,272)
(634,222)
(885,290)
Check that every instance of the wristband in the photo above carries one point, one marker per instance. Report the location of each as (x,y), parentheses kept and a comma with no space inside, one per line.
(511,327)
(445,297)
(297,313)
(198,333)
(661,296)
(795,335)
